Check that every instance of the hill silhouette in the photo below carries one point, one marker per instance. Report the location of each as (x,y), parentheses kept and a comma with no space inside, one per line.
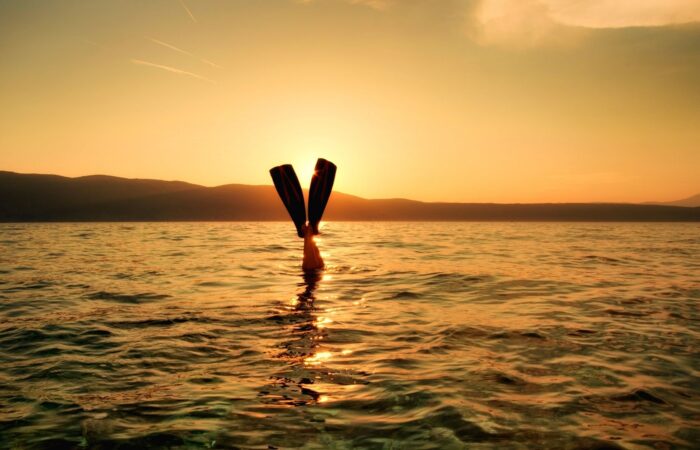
(36,197)
(692,201)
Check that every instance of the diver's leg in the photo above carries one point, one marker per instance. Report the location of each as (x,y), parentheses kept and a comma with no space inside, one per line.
(312,256)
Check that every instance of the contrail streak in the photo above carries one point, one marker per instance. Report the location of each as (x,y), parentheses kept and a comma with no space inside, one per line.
(213,64)
(172,69)
(182,2)
(171,47)
(184,52)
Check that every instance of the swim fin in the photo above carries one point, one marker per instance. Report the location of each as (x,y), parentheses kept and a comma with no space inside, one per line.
(320,191)
(289,190)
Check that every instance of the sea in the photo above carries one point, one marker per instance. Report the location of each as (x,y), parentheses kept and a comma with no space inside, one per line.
(416,336)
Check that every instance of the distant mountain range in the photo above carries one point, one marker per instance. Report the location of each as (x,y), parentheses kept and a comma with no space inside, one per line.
(33,197)
(690,202)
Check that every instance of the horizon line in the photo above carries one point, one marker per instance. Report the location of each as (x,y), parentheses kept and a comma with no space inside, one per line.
(657,202)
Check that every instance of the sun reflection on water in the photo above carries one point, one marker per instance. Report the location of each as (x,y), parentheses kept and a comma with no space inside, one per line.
(318,358)
(307,377)
(322,322)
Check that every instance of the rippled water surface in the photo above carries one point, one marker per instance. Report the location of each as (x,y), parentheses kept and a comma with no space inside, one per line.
(418,335)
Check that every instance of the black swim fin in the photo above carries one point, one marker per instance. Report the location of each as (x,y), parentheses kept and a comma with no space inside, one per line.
(289,190)
(320,191)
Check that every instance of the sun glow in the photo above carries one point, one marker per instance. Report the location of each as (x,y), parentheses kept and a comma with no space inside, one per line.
(304,167)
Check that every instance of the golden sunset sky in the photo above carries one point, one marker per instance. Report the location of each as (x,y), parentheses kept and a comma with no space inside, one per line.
(455,100)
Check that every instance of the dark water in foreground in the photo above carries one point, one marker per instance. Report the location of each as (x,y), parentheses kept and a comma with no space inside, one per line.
(450,335)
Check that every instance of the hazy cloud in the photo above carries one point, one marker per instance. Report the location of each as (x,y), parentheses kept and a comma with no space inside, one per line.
(521,14)
(527,22)
(623,13)
(519,22)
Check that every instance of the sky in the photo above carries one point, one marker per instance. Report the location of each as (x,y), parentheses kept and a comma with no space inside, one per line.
(435,100)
